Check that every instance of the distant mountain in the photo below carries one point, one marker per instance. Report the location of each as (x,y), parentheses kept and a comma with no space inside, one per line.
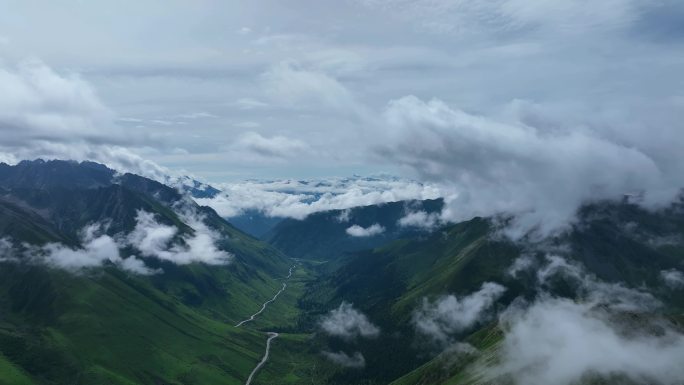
(193,187)
(105,325)
(255,223)
(331,234)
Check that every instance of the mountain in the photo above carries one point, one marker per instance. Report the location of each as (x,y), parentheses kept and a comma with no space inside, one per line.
(255,223)
(102,324)
(328,235)
(407,304)
(622,249)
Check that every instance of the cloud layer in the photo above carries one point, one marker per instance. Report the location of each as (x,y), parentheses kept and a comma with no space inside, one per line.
(348,323)
(358,231)
(155,239)
(355,360)
(299,198)
(451,315)
(561,341)
(149,237)
(537,172)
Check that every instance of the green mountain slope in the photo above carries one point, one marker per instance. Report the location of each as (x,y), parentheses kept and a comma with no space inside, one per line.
(390,282)
(323,235)
(105,325)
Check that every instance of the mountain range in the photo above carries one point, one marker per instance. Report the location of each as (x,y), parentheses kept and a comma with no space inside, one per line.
(109,277)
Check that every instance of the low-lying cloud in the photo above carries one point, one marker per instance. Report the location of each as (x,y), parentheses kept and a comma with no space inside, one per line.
(358,231)
(674,279)
(348,323)
(97,249)
(299,198)
(158,240)
(149,237)
(561,341)
(602,333)
(355,360)
(420,219)
(451,315)
(539,172)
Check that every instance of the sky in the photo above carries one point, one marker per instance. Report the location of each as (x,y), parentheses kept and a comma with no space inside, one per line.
(500,102)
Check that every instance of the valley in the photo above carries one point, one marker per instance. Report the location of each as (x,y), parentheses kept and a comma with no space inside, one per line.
(141,302)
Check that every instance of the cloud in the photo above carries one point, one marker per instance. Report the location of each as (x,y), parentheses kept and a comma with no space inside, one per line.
(348,323)
(161,241)
(451,315)
(420,219)
(97,249)
(674,279)
(151,238)
(468,19)
(523,263)
(372,230)
(343,359)
(249,104)
(560,341)
(539,175)
(299,198)
(52,115)
(7,252)
(247,124)
(591,290)
(196,115)
(273,147)
(293,85)
(39,104)
(344,216)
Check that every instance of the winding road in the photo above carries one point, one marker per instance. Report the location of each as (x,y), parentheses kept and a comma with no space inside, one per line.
(263,307)
(271,335)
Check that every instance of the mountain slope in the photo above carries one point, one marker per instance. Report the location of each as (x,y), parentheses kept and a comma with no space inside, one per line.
(325,236)
(616,244)
(105,325)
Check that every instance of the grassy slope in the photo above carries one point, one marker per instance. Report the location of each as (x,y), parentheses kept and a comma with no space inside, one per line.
(106,326)
(10,374)
(112,328)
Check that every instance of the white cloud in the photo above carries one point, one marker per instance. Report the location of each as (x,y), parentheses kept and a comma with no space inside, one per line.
(247,124)
(560,341)
(299,198)
(674,279)
(591,290)
(469,18)
(158,240)
(348,323)
(149,237)
(249,104)
(292,85)
(344,216)
(196,115)
(273,147)
(244,31)
(541,175)
(358,231)
(96,250)
(523,263)
(420,219)
(7,251)
(451,315)
(37,103)
(343,359)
